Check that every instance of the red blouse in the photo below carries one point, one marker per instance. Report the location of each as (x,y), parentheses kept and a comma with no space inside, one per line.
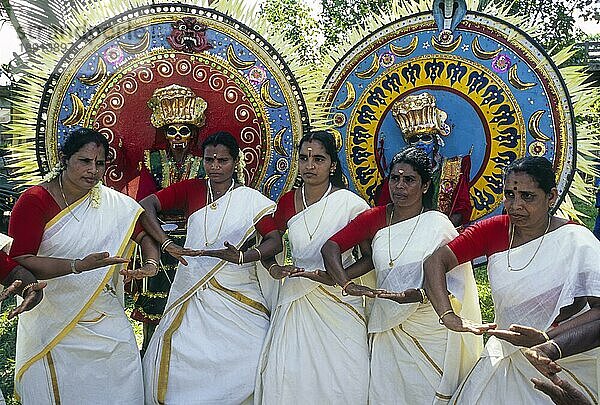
(33,210)
(190,195)
(363,227)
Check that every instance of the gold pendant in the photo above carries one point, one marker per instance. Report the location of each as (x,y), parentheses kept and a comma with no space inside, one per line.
(213,206)
(391,264)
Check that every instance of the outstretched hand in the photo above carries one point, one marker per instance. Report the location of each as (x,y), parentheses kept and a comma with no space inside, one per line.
(278,272)
(97,260)
(147,270)
(359,290)
(458,324)
(320,276)
(520,335)
(541,361)
(178,252)
(561,391)
(230,253)
(404,297)
(21,281)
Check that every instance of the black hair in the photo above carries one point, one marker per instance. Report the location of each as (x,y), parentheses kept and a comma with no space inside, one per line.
(225,139)
(420,162)
(328,142)
(539,168)
(81,137)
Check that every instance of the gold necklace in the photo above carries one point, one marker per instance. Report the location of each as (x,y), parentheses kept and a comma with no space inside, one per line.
(391,263)
(62,192)
(206,242)
(512,236)
(213,203)
(310,235)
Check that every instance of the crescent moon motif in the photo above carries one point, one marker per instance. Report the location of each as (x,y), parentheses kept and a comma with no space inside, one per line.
(140,47)
(451,47)
(278,142)
(350,97)
(78,111)
(480,52)
(370,72)
(513,78)
(98,75)
(407,50)
(266,96)
(269,183)
(534,126)
(237,62)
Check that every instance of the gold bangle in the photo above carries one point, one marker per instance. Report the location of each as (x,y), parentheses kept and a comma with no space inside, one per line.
(552,342)
(154,263)
(441,318)
(545,335)
(270,267)
(258,251)
(345,286)
(73,268)
(241,258)
(424,299)
(166,242)
(27,287)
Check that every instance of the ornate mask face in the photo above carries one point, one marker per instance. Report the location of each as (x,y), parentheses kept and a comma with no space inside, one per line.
(425,142)
(178,135)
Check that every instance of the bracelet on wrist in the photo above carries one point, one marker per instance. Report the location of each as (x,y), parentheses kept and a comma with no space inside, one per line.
(258,251)
(558,349)
(165,243)
(448,312)
(73,268)
(346,284)
(271,268)
(154,263)
(27,287)
(241,258)
(545,335)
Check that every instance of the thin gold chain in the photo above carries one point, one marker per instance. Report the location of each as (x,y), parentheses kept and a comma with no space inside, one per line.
(310,235)
(209,196)
(62,192)
(391,263)
(512,236)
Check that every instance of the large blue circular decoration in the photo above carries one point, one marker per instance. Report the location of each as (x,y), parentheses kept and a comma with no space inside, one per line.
(503,96)
(106,78)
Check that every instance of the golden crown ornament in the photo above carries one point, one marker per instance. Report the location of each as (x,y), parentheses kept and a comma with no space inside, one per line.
(176,104)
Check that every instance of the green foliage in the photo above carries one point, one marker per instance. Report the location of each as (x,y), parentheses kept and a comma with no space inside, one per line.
(485,294)
(8,337)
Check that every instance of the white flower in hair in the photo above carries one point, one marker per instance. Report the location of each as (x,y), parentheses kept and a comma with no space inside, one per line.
(54,172)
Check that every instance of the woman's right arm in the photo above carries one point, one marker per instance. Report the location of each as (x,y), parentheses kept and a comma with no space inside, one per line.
(149,218)
(45,268)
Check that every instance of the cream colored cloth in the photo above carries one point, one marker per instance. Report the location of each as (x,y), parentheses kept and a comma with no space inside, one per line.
(565,267)
(413,357)
(206,348)
(316,349)
(66,345)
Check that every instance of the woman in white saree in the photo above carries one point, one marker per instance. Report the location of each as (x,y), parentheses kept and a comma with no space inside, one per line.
(413,357)
(206,347)
(316,348)
(77,345)
(545,280)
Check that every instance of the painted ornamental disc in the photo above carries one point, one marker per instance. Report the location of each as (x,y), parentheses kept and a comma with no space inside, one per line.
(503,95)
(106,78)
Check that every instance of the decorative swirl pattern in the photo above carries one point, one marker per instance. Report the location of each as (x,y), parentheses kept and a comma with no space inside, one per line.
(130,85)
(106,119)
(216,82)
(165,68)
(145,74)
(183,67)
(199,73)
(231,94)
(113,173)
(115,100)
(242,112)
(249,135)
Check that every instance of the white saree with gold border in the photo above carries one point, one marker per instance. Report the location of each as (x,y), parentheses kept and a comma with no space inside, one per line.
(414,359)
(316,349)
(566,266)
(77,346)
(206,348)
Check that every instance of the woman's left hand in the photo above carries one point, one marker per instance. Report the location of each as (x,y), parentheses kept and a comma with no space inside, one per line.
(230,253)
(519,335)
(320,276)
(404,297)
(541,360)
(147,270)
